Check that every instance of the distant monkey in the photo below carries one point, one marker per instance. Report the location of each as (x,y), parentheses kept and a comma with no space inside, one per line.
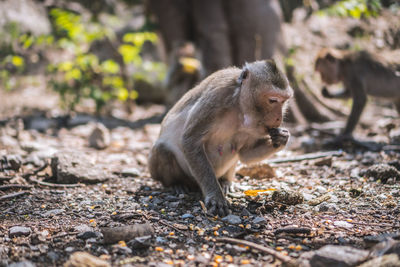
(362,74)
(232,115)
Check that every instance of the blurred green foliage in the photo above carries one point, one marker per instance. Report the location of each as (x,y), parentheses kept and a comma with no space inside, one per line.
(79,74)
(84,76)
(354,8)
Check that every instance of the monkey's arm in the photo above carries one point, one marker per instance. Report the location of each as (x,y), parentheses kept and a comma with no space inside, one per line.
(264,147)
(197,123)
(345,93)
(359,101)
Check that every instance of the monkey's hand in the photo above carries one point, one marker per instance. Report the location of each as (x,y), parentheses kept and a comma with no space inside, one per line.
(325,92)
(279,137)
(217,204)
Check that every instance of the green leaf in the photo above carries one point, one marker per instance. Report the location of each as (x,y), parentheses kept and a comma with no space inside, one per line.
(110,66)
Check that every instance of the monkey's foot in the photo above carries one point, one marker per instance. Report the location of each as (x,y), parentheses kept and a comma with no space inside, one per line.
(279,136)
(227,186)
(217,205)
(180,189)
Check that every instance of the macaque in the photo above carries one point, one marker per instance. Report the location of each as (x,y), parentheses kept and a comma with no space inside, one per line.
(362,74)
(234,114)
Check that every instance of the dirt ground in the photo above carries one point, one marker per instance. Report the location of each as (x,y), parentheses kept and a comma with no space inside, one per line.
(312,197)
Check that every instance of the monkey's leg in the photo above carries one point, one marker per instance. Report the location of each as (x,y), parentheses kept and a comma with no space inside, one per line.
(359,101)
(263,148)
(226,180)
(164,167)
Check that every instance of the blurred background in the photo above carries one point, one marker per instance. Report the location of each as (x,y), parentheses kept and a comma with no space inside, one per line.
(64,63)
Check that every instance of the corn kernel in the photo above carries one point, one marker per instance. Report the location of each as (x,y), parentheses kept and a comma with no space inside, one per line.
(160,249)
(216,233)
(171,233)
(218,258)
(122,243)
(279,248)
(298,247)
(245,261)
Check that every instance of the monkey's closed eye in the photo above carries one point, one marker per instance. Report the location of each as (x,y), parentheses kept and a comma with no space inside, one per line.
(273,100)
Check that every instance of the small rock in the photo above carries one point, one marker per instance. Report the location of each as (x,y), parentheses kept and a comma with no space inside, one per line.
(259,220)
(323,162)
(19,231)
(323,207)
(130,172)
(22,264)
(388,246)
(53,256)
(100,137)
(343,224)
(287,197)
(79,259)
(391,260)
(232,219)
(160,240)
(375,239)
(259,171)
(187,216)
(74,167)
(87,235)
(381,172)
(52,213)
(82,228)
(338,256)
(140,242)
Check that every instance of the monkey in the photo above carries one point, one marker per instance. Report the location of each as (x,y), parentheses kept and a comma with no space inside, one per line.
(362,73)
(233,114)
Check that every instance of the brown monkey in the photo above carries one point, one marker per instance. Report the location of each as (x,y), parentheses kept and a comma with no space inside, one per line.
(362,74)
(231,115)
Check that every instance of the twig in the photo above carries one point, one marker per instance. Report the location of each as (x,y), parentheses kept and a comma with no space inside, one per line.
(376,224)
(211,255)
(13,195)
(55,185)
(279,256)
(173,227)
(10,186)
(34,172)
(309,156)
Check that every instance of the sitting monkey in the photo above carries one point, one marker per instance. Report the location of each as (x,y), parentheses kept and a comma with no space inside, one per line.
(362,74)
(232,115)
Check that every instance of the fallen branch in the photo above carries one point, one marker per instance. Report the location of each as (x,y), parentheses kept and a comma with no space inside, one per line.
(309,156)
(55,185)
(11,186)
(293,230)
(13,195)
(173,227)
(125,233)
(279,256)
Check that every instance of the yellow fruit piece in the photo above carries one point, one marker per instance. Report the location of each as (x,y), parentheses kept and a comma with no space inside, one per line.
(190,65)
(254,193)
(122,243)
(279,248)
(171,233)
(298,247)
(245,261)
(160,249)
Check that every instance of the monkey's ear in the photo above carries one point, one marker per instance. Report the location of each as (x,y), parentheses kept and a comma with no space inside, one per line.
(243,75)
(272,64)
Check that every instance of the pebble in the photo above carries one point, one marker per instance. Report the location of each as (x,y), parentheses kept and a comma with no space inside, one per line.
(19,231)
(130,172)
(100,137)
(259,220)
(52,213)
(187,216)
(343,224)
(87,235)
(232,219)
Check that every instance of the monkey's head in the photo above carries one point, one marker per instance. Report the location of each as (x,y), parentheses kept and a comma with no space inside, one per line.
(264,91)
(327,64)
